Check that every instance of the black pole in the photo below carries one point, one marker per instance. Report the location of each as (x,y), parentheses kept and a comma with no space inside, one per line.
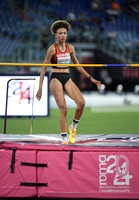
(5,118)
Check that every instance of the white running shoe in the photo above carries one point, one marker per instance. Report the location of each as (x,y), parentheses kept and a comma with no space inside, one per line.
(65,139)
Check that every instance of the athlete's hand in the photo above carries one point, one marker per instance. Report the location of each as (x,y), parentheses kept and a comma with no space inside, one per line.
(39,94)
(98,83)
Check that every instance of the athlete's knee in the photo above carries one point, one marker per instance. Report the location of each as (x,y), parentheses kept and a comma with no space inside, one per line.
(63,109)
(81,103)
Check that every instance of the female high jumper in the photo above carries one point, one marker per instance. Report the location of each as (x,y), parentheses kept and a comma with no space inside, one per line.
(62,53)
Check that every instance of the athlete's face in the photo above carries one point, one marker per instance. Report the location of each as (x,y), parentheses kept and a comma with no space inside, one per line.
(61,34)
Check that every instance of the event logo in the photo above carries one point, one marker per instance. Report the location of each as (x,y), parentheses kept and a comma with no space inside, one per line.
(114,174)
(20,92)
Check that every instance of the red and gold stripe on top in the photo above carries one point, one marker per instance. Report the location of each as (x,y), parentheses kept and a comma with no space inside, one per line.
(61,57)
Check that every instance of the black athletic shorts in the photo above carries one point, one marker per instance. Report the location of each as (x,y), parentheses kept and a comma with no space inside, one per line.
(62,77)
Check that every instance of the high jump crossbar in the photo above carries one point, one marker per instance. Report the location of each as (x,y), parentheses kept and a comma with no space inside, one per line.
(70,65)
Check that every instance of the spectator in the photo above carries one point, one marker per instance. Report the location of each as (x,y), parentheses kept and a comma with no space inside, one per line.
(115,6)
(72,35)
(98,22)
(127,44)
(112,34)
(82,19)
(105,76)
(113,12)
(135,45)
(95,20)
(96,5)
(45,37)
(87,34)
(71,18)
(101,28)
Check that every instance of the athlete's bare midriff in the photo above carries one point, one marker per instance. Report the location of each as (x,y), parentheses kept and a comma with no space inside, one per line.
(60,70)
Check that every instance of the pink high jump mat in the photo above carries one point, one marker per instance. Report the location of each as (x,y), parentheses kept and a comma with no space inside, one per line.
(96,166)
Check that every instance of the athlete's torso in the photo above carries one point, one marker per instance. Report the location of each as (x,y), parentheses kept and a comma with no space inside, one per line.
(61,57)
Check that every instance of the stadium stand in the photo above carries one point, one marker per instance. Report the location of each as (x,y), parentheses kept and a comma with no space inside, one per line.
(25,28)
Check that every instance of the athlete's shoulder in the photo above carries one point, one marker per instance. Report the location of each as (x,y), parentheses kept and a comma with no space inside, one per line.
(51,50)
(71,48)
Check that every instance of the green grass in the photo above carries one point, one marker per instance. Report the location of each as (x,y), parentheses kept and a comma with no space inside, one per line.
(90,123)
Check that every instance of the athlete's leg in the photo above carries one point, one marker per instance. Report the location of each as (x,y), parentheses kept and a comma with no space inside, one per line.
(74,93)
(57,90)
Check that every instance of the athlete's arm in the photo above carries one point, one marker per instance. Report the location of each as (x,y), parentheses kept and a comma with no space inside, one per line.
(49,55)
(81,69)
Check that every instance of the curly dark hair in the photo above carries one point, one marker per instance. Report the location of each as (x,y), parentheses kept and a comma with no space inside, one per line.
(60,24)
